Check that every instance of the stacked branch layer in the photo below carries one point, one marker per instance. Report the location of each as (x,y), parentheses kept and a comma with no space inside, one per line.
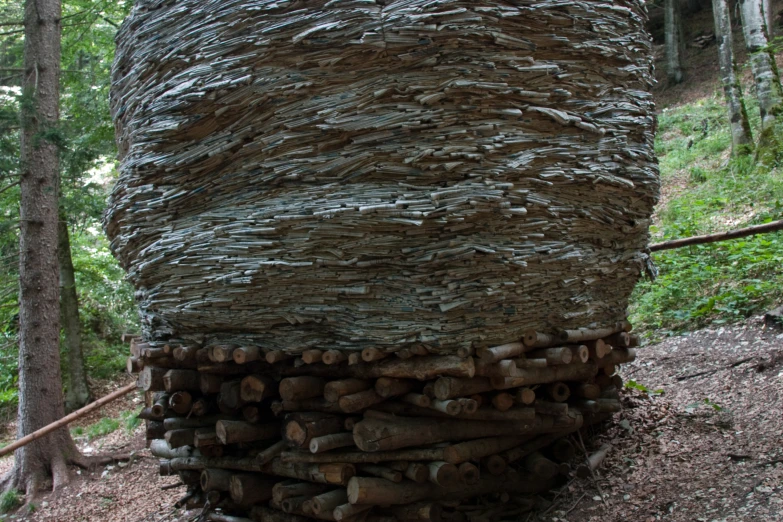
(354,174)
(257,434)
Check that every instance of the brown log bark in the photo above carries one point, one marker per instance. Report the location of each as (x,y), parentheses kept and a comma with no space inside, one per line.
(380,471)
(330,442)
(181,402)
(495,464)
(230,397)
(181,437)
(417,472)
(540,466)
(448,407)
(161,405)
(359,401)
(550,408)
(299,388)
(506,351)
(443,474)
(373,354)
(588,334)
(377,435)
(431,511)
(346,512)
(231,432)
(312,356)
(389,387)
(160,448)
(504,368)
(276,356)
(568,372)
(210,384)
(333,357)
(271,452)
(479,448)
(525,396)
(333,390)
(558,391)
(585,390)
(417,399)
(359,457)
(216,479)
(327,502)
(316,404)
(469,406)
(251,489)
(300,428)
(580,353)
(554,356)
(255,388)
(151,379)
(503,401)
(451,387)
(469,473)
(223,353)
(284,490)
(205,437)
(247,354)
(176,423)
(534,339)
(530,363)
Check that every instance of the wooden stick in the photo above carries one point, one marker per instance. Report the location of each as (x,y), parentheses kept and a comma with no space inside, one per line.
(593,461)
(505,351)
(773,226)
(330,442)
(68,419)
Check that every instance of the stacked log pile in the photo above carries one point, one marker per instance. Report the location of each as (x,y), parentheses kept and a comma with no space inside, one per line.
(261,435)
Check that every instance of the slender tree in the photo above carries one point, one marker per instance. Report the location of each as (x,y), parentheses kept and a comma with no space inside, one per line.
(765,76)
(673,34)
(78,393)
(40,383)
(741,137)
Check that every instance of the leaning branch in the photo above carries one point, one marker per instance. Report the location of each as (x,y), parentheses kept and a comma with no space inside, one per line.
(774,226)
(67,419)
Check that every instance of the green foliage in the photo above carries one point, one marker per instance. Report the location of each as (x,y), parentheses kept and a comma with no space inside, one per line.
(102,428)
(10,500)
(706,192)
(127,419)
(130,420)
(631,384)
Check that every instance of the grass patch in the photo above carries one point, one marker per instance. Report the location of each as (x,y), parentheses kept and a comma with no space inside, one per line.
(10,500)
(127,419)
(720,282)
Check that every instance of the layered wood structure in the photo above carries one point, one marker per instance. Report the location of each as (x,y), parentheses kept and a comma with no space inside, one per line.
(327,436)
(382,249)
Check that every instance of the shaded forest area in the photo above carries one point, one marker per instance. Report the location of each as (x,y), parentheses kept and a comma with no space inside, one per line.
(710,184)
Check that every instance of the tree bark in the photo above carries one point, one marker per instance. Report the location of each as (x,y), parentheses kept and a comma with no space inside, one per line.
(741,137)
(78,393)
(673,38)
(765,73)
(40,382)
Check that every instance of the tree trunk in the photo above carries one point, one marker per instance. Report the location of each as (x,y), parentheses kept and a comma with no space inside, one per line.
(78,394)
(40,383)
(674,43)
(765,75)
(766,5)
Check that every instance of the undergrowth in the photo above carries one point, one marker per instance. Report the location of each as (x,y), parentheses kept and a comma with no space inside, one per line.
(706,192)
(127,419)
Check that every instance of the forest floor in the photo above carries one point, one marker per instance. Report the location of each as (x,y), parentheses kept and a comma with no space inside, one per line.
(704,442)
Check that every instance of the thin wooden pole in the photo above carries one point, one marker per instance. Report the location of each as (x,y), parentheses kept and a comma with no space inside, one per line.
(68,419)
(722,236)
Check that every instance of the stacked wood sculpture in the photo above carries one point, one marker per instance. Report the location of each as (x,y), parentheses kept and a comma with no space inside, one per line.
(382,249)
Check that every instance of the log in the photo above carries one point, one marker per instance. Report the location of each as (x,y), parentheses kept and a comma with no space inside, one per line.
(327,502)
(417,399)
(588,334)
(312,356)
(535,444)
(376,435)
(524,362)
(160,405)
(316,404)
(562,450)
(389,387)
(359,401)
(294,505)
(223,353)
(525,395)
(330,442)
(216,479)
(160,448)
(205,437)
(772,226)
(373,354)
(431,511)
(151,379)
(534,339)
(479,448)
(175,423)
(594,461)
(598,349)
(482,413)
(469,473)
(550,408)
(417,472)
(452,387)
(443,473)
(289,489)
(154,430)
(618,356)
(360,457)
(449,407)
(619,340)
(568,372)
(299,428)
(232,432)
(540,466)
(580,353)
(230,397)
(209,383)
(380,471)
(271,452)
(133,365)
(181,437)
(276,356)
(504,368)
(375,491)
(558,391)
(181,402)
(335,389)
(585,390)
(251,413)
(299,388)
(505,351)
(247,354)
(495,464)
(251,489)
(554,356)
(348,511)
(333,357)
(255,388)
(419,368)
(469,406)
(503,401)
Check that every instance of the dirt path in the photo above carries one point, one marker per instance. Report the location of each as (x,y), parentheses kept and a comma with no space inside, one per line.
(708,448)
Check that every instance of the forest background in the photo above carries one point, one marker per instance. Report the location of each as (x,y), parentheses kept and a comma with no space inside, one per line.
(706,189)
